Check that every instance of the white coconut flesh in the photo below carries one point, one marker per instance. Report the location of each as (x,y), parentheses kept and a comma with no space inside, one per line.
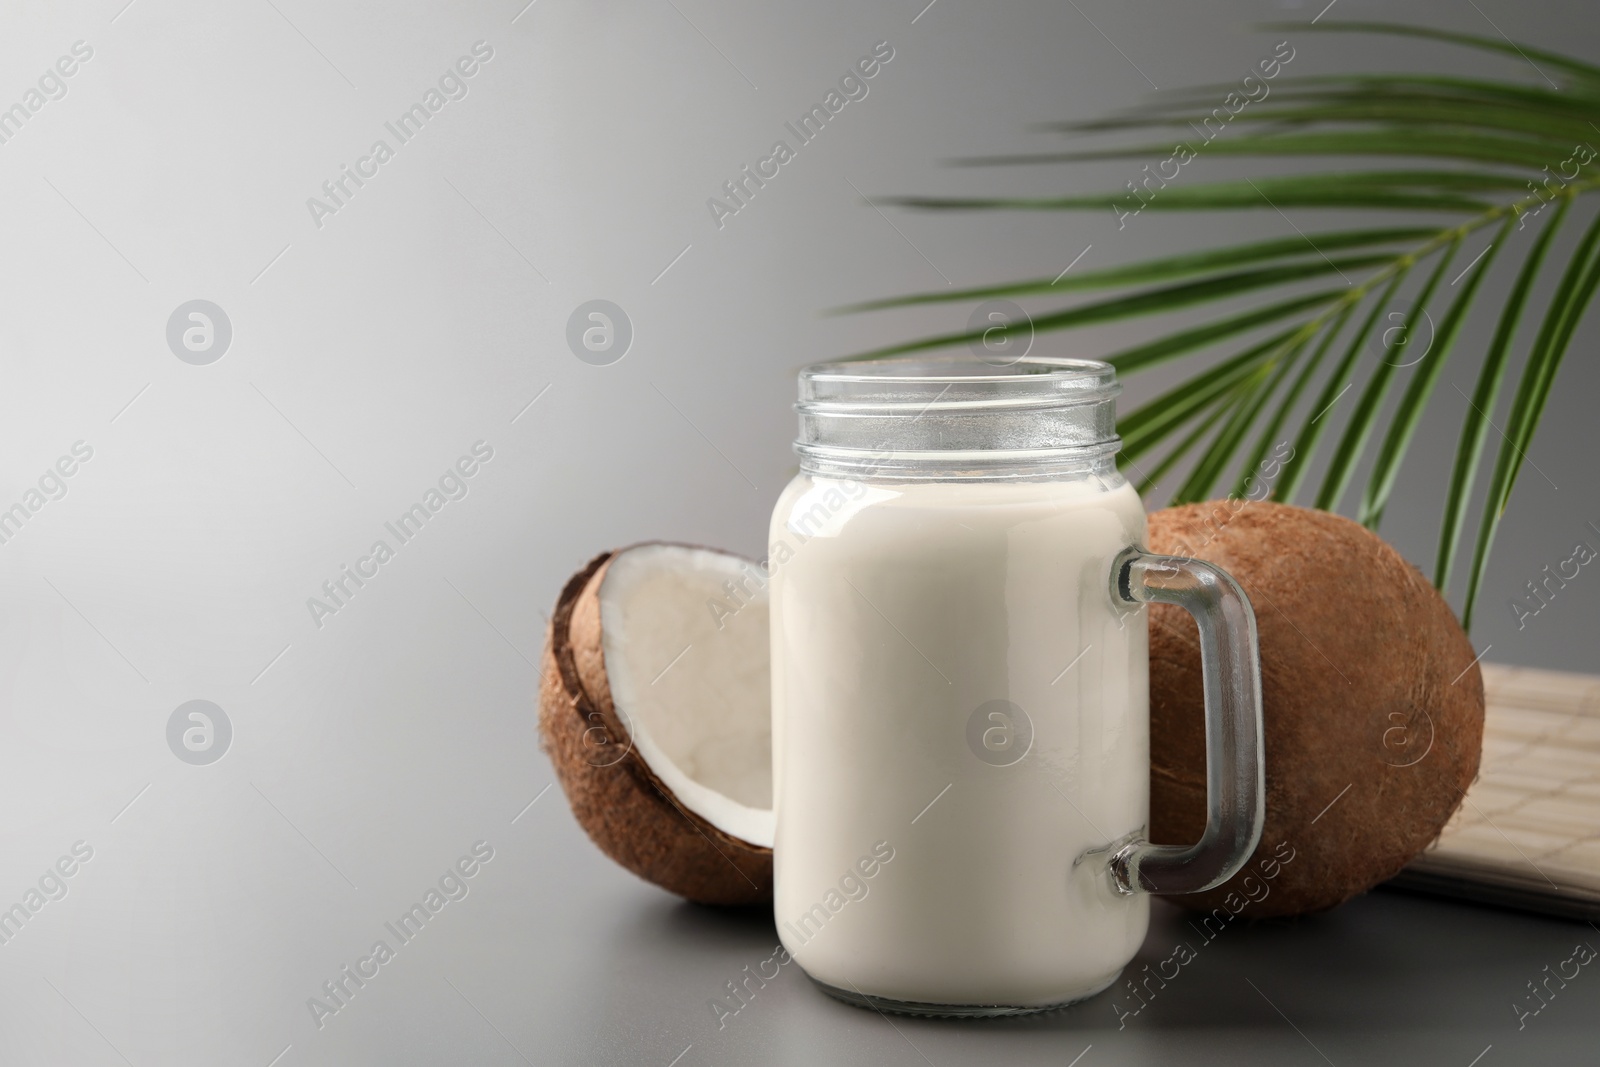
(687,663)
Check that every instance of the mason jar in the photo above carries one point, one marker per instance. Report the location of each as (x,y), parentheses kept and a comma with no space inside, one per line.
(960,690)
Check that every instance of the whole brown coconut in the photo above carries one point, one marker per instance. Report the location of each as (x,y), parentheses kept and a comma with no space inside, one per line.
(617,798)
(1371,700)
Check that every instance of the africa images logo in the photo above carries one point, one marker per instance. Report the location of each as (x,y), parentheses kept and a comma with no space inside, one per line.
(452,85)
(51,85)
(741,189)
(453,885)
(453,485)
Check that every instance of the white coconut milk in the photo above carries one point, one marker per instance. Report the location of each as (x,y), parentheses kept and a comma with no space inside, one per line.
(903,613)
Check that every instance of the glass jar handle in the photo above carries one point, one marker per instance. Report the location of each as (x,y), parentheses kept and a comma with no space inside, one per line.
(1235,769)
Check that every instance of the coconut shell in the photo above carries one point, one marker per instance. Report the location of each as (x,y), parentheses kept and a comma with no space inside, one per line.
(1371,700)
(620,803)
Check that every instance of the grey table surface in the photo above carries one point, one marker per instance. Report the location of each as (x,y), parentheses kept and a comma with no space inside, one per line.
(570,960)
(175,945)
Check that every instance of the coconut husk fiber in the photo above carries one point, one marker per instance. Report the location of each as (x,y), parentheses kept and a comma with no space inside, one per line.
(1371,698)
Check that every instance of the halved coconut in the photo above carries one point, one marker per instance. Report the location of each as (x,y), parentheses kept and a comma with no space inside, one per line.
(656,711)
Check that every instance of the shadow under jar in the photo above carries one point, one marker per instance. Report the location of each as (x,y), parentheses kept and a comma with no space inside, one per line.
(960,690)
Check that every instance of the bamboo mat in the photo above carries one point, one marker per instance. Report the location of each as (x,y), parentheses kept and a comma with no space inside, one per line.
(1528,833)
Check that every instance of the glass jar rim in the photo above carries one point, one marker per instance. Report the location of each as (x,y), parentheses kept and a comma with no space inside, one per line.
(1060,377)
(957,415)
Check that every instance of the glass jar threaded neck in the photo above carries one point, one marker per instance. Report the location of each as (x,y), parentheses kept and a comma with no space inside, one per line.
(957,416)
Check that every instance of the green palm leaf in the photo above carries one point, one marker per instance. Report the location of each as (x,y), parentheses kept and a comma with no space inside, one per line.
(1260,387)
(1353,445)
(1269,434)
(1338,383)
(1147,426)
(1572,296)
(1511,151)
(1475,153)
(1177,454)
(1161,270)
(1563,64)
(1332,190)
(1403,425)
(1152,302)
(1475,426)
(1538,100)
(1427,111)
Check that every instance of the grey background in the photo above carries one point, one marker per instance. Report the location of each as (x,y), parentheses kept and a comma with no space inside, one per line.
(368,354)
